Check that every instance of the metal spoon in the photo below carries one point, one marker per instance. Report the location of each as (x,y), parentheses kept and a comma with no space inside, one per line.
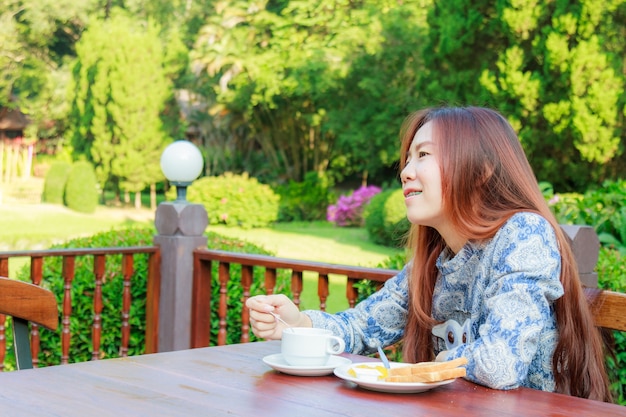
(383,357)
(277,317)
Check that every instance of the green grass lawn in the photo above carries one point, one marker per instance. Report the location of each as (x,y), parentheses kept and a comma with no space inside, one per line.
(38,226)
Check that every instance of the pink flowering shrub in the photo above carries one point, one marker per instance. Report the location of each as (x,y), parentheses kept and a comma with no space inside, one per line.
(349,208)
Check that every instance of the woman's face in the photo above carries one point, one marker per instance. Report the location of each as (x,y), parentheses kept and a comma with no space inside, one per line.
(421,181)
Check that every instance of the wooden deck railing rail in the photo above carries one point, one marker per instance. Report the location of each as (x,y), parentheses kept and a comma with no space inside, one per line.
(37,258)
(202,286)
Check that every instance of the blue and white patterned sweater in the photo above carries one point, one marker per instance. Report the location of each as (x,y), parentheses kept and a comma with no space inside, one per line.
(499,292)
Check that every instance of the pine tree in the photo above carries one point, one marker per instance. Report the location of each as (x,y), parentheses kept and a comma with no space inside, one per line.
(120,90)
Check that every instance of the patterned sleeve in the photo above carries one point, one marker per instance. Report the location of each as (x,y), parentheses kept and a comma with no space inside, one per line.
(516,313)
(378,320)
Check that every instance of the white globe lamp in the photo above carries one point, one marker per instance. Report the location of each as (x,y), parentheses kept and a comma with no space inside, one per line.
(181,163)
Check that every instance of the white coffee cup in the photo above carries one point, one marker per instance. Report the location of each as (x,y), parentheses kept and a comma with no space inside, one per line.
(306,346)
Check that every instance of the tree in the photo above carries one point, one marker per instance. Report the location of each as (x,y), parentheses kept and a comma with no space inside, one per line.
(560,87)
(36,37)
(553,68)
(120,89)
(378,92)
(280,68)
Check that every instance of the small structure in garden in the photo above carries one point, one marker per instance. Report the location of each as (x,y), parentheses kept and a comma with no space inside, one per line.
(16,154)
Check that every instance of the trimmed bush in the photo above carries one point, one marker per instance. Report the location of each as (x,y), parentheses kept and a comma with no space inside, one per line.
(385,219)
(234,200)
(83,288)
(81,189)
(307,200)
(54,183)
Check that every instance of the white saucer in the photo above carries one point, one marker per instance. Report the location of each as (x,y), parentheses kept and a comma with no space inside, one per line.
(277,362)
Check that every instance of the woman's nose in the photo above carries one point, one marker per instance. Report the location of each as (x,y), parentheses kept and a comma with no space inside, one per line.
(407,173)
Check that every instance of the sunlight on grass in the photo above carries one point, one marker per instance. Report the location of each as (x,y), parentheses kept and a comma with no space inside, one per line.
(38,226)
(316,241)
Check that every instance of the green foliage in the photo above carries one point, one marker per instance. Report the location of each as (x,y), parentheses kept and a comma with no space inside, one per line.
(556,79)
(119,91)
(306,200)
(81,188)
(611,270)
(54,183)
(278,71)
(83,289)
(234,200)
(379,89)
(603,208)
(385,219)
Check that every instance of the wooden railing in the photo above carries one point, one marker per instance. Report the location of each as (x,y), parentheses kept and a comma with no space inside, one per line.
(201,297)
(37,259)
(202,286)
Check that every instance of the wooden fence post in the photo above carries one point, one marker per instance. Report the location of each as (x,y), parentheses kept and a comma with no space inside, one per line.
(180,227)
(586,247)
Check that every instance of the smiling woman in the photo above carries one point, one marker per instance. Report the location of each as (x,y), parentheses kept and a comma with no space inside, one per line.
(485,250)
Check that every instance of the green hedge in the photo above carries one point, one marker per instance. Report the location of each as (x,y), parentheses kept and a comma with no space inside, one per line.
(54,183)
(385,219)
(81,188)
(306,200)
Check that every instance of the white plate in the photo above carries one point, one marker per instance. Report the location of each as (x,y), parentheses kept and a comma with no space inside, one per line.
(277,362)
(382,386)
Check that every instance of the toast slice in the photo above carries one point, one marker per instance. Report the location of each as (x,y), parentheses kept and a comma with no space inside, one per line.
(434,376)
(428,371)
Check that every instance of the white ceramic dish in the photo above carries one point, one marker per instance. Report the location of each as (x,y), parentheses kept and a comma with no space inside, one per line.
(277,362)
(382,386)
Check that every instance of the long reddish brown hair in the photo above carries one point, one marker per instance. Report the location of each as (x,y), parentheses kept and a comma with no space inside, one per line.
(486,179)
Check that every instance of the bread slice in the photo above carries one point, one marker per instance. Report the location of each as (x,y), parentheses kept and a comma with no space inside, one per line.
(428,371)
(435,376)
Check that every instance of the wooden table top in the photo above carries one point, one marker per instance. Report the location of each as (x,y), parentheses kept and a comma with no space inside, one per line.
(234,381)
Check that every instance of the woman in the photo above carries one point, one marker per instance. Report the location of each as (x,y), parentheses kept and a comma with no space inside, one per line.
(491,278)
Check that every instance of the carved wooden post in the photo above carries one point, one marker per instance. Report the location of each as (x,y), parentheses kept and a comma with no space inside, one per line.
(586,247)
(181,227)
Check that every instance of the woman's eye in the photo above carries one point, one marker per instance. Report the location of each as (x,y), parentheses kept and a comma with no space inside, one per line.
(422,154)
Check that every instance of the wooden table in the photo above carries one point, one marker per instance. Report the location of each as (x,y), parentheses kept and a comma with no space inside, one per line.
(233,381)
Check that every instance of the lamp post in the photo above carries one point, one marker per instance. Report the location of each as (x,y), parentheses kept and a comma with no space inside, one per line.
(180,226)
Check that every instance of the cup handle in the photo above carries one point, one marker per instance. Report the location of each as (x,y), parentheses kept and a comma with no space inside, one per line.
(336,345)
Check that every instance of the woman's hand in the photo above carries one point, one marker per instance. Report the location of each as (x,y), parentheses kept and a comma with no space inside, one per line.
(265,325)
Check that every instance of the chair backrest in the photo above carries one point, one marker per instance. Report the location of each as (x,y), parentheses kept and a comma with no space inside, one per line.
(608,308)
(26,302)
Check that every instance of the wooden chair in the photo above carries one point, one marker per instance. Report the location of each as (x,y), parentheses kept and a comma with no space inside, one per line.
(608,308)
(26,302)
